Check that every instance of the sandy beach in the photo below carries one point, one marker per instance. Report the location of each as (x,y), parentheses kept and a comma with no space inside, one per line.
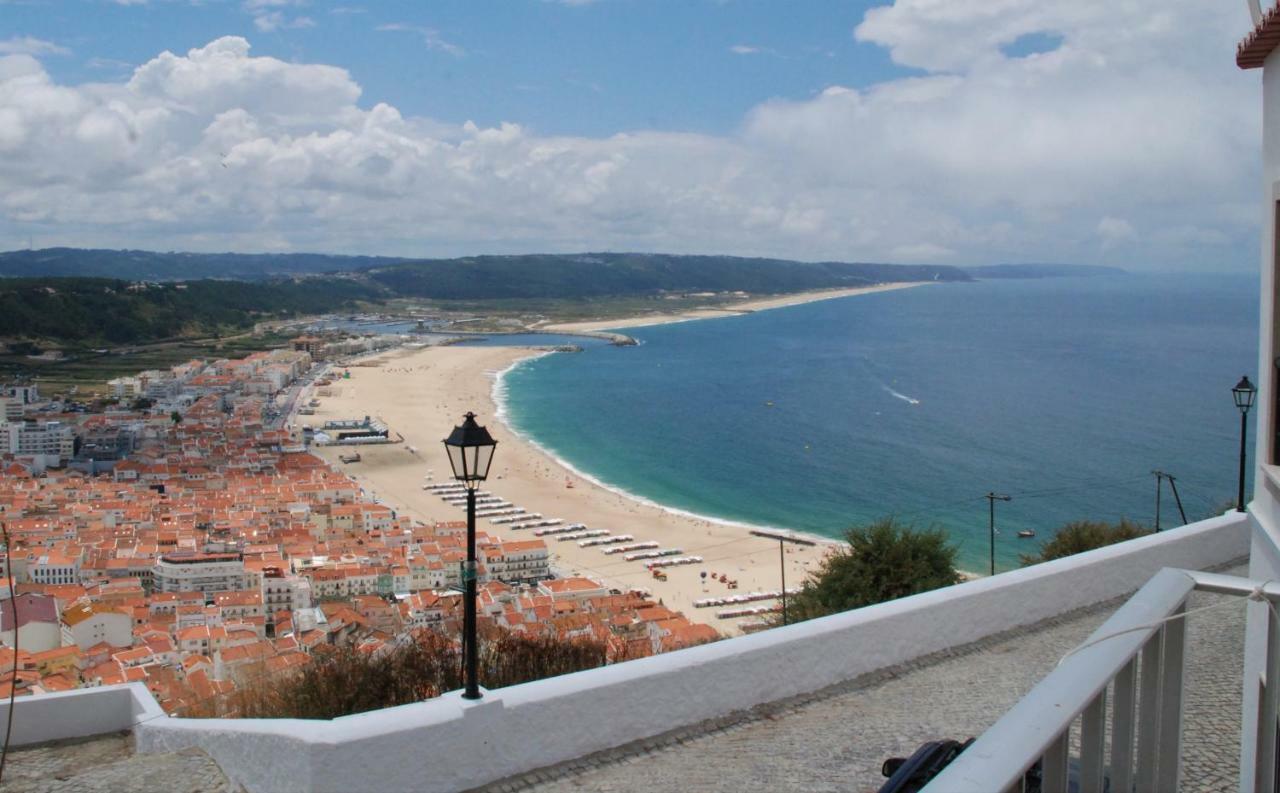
(422,393)
(728,310)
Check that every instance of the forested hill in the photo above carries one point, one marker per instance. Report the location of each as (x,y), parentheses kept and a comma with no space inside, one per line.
(92,310)
(481,277)
(619,274)
(157,266)
(155,296)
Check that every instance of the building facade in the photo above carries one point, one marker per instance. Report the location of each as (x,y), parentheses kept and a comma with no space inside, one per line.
(199,572)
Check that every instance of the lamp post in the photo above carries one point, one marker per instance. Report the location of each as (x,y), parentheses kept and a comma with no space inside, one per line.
(470,449)
(1244,392)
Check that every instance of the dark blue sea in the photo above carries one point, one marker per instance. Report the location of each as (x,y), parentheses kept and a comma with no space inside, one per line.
(1063,393)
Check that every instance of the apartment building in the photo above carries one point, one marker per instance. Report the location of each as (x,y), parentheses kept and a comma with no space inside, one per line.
(199,572)
(50,443)
(23,394)
(283,592)
(53,568)
(517,561)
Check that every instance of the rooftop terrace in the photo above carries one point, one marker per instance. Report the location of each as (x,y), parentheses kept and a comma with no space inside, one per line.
(813,706)
(836,739)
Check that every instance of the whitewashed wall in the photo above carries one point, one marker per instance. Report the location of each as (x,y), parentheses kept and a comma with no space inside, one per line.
(449,744)
(79,713)
(1265,506)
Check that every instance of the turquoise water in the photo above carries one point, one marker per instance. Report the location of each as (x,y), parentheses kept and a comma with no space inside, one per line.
(1064,393)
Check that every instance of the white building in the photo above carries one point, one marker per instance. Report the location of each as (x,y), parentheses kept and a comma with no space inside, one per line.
(199,572)
(1260,50)
(93,623)
(517,561)
(38,627)
(24,394)
(53,568)
(11,409)
(282,592)
(51,442)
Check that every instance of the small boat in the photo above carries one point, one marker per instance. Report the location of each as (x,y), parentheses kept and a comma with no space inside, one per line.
(1026,533)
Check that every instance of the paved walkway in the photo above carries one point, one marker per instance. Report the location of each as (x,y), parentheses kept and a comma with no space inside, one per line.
(107,764)
(837,741)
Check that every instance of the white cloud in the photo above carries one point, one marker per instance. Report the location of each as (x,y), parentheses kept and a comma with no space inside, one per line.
(27,45)
(1115,231)
(268,21)
(1138,121)
(744,49)
(430,36)
(267,16)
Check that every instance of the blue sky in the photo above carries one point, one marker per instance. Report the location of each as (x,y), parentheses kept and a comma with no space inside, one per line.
(578,69)
(950,131)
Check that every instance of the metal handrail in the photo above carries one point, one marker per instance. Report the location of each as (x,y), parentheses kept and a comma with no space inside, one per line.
(1038,726)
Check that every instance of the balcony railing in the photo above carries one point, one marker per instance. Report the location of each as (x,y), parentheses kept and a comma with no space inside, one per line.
(1135,663)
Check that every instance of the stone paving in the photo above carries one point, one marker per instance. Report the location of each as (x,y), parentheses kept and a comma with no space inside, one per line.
(107,764)
(836,740)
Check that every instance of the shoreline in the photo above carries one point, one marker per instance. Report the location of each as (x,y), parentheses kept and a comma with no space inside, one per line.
(422,393)
(737,309)
(502,415)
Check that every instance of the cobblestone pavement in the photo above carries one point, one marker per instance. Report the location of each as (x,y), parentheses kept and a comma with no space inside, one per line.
(107,764)
(837,740)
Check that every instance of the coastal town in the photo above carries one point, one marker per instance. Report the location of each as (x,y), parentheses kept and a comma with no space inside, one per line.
(201,529)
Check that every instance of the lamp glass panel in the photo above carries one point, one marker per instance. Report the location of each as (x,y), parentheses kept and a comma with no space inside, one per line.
(455,460)
(483,458)
(1244,397)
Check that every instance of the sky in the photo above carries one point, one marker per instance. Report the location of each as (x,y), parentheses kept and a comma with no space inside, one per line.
(919,131)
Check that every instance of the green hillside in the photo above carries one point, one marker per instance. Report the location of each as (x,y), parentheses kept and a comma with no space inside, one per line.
(93,310)
(591,275)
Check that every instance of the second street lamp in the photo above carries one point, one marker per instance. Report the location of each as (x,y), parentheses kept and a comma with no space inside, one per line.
(1244,392)
(470,449)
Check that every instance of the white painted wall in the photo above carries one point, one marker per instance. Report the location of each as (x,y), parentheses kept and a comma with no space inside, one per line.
(74,714)
(1264,557)
(449,744)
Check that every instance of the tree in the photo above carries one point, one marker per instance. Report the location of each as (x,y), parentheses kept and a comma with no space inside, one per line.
(175,417)
(884,560)
(1084,535)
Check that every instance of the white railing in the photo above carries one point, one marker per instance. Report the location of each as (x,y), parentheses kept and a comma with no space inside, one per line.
(1134,663)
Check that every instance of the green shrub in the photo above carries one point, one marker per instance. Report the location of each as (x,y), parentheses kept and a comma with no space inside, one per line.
(883,561)
(1084,535)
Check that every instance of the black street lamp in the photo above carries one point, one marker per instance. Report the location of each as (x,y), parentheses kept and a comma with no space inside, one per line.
(470,449)
(1244,392)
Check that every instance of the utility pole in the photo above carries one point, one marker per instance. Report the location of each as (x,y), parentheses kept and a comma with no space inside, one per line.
(1159,482)
(1160,477)
(1178,499)
(782,564)
(992,498)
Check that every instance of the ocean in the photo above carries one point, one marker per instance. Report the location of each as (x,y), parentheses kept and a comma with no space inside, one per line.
(1062,393)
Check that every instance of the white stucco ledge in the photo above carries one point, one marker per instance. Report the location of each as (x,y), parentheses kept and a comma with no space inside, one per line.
(450,744)
(79,713)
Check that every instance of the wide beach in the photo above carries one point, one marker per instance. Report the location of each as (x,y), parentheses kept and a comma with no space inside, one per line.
(421,393)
